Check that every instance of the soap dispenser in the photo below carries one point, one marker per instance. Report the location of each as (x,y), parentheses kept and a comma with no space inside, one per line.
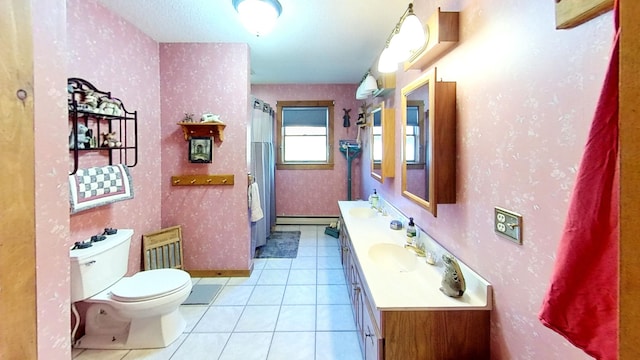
(374,199)
(411,229)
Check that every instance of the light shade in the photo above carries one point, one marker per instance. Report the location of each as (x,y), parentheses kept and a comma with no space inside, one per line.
(387,62)
(367,87)
(258,16)
(412,33)
(399,49)
(407,37)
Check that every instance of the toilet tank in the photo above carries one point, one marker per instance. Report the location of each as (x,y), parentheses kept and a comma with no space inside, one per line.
(96,268)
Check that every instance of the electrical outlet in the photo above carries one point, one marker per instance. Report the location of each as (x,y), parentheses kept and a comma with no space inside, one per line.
(508,224)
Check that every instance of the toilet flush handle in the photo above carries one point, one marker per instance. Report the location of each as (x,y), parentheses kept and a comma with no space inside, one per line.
(90,263)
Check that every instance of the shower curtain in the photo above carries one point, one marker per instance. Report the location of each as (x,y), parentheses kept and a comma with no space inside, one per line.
(263,170)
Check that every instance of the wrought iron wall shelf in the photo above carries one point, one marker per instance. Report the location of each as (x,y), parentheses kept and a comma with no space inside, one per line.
(94,113)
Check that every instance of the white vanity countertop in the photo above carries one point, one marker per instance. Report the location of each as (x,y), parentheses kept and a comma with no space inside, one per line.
(395,289)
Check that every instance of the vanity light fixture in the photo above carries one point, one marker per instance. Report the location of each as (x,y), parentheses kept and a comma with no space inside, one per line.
(367,87)
(258,16)
(406,37)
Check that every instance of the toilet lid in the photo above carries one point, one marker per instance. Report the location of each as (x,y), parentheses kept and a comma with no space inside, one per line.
(150,284)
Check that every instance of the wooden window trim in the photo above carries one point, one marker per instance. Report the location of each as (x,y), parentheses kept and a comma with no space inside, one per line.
(280,164)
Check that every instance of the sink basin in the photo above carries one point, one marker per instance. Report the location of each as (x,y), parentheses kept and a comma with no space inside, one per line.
(362,212)
(393,257)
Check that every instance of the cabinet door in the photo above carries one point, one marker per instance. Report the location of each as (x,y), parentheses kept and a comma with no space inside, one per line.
(357,300)
(373,343)
(345,256)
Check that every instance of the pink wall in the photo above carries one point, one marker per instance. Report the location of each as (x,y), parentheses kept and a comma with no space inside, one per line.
(525,97)
(198,78)
(125,61)
(316,192)
(51,194)
(525,101)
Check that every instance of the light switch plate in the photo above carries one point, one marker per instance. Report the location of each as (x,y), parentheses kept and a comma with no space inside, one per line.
(508,224)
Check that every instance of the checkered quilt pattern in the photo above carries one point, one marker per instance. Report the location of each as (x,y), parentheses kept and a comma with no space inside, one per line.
(97,186)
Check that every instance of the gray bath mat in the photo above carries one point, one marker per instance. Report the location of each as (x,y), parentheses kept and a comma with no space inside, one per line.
(202,294)
(280,244)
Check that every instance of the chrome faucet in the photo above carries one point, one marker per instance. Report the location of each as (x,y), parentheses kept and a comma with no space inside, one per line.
(420,252)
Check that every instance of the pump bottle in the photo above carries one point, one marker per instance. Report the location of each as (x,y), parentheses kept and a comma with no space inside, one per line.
(411,229)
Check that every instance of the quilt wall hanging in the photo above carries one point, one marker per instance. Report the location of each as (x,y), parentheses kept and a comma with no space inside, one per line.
(97,186)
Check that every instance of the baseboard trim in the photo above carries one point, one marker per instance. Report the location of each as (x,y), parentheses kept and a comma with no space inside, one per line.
(305,220)
(219,273)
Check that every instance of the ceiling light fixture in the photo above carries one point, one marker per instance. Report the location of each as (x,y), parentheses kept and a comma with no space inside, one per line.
(258,16)
(406,37)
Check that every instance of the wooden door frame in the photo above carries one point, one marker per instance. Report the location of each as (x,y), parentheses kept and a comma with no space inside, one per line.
(629,107)
(17,190)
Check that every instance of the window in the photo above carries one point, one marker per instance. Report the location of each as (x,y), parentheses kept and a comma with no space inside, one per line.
(377,137)
(305,134)
(415,133)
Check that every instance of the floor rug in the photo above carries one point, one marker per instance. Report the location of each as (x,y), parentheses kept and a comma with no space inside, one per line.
(202,294)
(281,244)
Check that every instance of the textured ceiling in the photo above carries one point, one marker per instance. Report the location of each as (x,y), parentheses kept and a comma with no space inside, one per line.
(314,41)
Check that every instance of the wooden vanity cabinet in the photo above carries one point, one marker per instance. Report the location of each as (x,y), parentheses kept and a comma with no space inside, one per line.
(411,334)
(371,341)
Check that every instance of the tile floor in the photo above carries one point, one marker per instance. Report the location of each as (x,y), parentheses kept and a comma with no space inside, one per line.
(287,309)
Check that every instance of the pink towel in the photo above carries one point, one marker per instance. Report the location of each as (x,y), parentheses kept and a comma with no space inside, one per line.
(581,303)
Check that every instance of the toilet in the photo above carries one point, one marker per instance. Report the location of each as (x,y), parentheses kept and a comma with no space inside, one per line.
(137,312)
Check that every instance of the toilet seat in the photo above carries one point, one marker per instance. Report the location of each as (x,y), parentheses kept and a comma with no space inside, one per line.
(149,285)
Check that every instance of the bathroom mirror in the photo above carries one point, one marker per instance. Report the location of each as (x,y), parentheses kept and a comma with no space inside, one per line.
(382,143)
(428,118)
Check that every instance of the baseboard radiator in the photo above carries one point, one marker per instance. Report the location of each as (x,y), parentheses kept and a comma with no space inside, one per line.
(305,220)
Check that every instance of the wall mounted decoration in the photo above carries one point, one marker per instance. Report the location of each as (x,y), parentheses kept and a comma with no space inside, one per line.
(200,150)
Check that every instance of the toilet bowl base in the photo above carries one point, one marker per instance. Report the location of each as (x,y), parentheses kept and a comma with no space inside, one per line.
(107,331)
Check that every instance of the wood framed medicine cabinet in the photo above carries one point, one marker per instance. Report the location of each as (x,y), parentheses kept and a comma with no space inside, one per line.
(383,161)
(429,141)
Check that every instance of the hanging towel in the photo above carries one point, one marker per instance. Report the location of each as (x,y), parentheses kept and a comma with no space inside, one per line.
(254,203)
(97,186)
(581,302)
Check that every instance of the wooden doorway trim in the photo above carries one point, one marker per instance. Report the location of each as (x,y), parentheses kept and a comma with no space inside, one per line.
(17,213)
(629,107)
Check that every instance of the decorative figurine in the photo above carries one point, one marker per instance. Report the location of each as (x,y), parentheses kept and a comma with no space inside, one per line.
(187,117)
(363,111)
(453,283)
(346,118)
(110,140)
(83,135)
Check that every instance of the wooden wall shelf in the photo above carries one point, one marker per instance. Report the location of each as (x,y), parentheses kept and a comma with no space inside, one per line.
(571,13)
(443,36)
(203,129)
(199,180)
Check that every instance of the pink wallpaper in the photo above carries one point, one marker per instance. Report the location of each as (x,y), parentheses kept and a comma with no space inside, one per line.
(199,78)
(525,97)
(526,93)
(51,192)
(114,55)
(316,192)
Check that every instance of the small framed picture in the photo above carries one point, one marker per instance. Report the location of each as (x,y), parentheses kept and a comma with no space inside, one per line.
(200,150)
